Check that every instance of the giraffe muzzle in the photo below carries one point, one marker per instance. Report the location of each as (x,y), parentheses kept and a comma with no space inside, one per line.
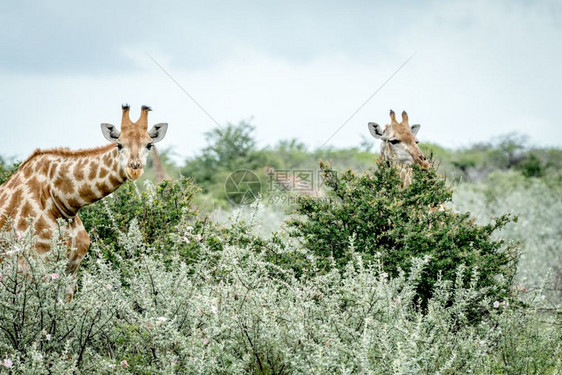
(422,162)
(135,170)
(135,164)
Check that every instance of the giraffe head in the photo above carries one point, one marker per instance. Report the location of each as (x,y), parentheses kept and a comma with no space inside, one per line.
(134,140)
(399,142)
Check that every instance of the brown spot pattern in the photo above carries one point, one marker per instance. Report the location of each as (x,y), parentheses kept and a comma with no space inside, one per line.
(86,193)
(27,211)
(93,170)
(103,172)
(14,201)
(65,185)
(79,172)
(40,228)
(74,204)
(114,181)
(103,188)
(42,247)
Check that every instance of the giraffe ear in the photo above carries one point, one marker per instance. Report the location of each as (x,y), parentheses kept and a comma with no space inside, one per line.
(110,132)
(375,130)
(158,132)
(415,128)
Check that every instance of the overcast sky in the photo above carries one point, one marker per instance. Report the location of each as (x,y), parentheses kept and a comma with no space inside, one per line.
(297,69)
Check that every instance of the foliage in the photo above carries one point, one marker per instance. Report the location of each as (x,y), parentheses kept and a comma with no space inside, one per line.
(509,152)
(234,311)
(229,149)
(537,203)
(158,210)
(164,289)
(532,166)
(234,147)
(166,219)
(6,171)
(382,219)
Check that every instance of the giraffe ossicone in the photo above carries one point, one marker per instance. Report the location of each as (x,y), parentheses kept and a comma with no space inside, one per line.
(55,183)
(400,145)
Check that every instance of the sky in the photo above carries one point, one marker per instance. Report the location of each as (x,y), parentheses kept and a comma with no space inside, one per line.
(296,69)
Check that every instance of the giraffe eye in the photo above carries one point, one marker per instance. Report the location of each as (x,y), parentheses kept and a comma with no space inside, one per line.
(119,146)
(394,141)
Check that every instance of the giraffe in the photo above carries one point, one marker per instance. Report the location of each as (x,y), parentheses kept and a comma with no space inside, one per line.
(54,184)
(159,171)
(400,145)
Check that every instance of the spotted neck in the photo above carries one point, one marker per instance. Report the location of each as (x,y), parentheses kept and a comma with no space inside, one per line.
(84,179)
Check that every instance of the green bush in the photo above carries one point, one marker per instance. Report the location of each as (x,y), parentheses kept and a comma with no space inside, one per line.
(382,219)
(7,171)
(158,210)
(532,166)
(176,293)
(167,221)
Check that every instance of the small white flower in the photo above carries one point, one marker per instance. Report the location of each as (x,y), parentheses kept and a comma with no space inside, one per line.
(214,309)
(162,319)
(109,286)
(54,276)
(48,337)
(384,275)
(496,304)
(7,363)
(189,228)
(16,249)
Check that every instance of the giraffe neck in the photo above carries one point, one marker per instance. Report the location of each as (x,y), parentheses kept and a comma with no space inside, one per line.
(404,169)
(386,152)
(159,171)
(80,180)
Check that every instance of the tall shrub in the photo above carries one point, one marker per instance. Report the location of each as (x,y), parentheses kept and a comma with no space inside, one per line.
(383,219)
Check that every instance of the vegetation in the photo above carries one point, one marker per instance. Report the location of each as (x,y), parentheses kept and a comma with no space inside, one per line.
(236,311)
(399,225)
(363,276)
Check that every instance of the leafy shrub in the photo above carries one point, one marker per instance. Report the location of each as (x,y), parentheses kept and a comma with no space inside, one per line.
(401,224)
(158,211)
(234,311)
(166,220)
(532,166)
(6,172)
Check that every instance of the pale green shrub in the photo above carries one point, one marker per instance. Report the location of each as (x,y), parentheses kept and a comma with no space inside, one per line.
(235,312)
(538,204)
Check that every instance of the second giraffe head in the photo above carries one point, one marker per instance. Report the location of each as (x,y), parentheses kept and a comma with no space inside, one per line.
(400,144)
(134,140)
